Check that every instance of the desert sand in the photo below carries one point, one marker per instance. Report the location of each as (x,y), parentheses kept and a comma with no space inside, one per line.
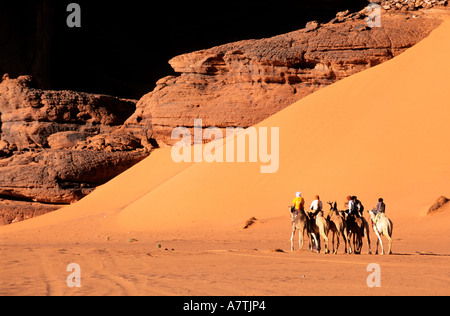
(163,228)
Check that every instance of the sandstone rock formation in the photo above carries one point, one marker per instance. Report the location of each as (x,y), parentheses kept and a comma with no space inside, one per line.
(438,206)
(57,146)
(409,5)
(242,83)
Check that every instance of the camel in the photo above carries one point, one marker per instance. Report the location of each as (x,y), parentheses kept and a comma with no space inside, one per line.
(356,229)
(299,222)
(338,226)
(383,226)
(321,226)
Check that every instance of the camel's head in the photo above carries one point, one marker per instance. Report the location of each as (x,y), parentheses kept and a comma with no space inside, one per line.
(371,213)
(292,210)
(343,214)
(333,206)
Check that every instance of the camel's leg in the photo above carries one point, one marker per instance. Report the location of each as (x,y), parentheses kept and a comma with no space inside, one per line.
(390,232)
(316,242)
(382,247)
(345,237)
(390,244)
(338,242)
(300,239)
(325,241)
(389,238)
(379,242)
(336,233)
(360,243)
(369,252)
(355,246)
(292,239)
(327,244)
(310,241)
(349,241)
(332,239)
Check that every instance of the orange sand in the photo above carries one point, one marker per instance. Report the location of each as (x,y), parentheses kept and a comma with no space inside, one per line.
(381,133)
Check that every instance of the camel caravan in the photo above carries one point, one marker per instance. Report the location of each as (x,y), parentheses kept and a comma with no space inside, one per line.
(349,225)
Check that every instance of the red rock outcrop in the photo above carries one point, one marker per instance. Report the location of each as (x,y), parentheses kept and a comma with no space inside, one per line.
(242,83)
(438,206)
(57,146)
(29,116)
(410,5)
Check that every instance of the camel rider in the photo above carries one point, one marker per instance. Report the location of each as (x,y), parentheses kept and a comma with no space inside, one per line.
(355,207)
(352,210)
(358,206)
(316,207)
(299,204)
(381,209)
(351,205)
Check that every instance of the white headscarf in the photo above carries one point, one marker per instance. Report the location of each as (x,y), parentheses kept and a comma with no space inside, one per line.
(299,194)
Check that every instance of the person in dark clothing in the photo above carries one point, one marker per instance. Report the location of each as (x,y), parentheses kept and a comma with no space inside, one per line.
(381,209)
(358,207)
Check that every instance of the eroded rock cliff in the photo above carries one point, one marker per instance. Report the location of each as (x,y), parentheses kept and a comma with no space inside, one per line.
(242,83)
(57,146)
